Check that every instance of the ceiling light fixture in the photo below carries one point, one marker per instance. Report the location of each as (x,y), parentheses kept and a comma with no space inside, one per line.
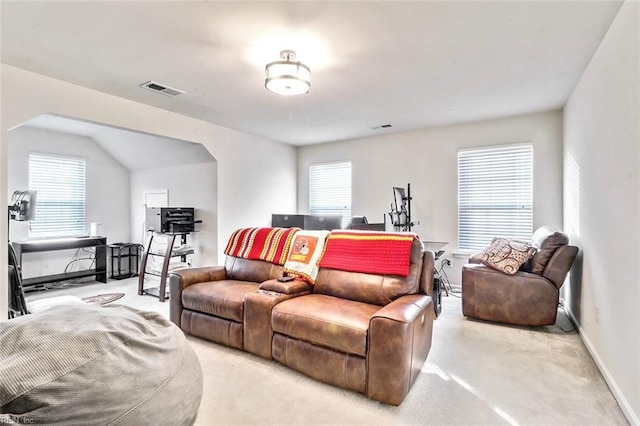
(287,77)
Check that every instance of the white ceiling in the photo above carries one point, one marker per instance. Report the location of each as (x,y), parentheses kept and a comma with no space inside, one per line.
(410,64)
(134,150)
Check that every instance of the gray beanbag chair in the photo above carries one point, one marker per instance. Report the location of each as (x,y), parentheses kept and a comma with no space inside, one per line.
(92,365)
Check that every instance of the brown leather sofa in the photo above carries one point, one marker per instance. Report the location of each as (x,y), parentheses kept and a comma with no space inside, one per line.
(365,332)
(529,297)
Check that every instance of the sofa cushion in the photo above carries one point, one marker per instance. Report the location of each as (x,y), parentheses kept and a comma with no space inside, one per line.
(327,321)
(223,298)
(257,271)
(505,255)
(546,240)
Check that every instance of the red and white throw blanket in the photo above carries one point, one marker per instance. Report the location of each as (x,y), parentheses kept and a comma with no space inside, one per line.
(306,251)
(269,244)
(384,253)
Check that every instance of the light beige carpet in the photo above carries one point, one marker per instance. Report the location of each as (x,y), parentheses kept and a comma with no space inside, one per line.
(477,373)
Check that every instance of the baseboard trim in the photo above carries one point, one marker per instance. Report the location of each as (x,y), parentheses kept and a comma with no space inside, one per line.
(613,387)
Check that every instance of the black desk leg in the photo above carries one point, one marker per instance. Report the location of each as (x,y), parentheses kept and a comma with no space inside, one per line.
(101,263)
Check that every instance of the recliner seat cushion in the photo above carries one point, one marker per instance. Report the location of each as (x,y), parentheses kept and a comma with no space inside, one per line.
(324,320)
(223,298)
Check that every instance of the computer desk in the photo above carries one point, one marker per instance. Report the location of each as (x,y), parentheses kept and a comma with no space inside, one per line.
(36,246)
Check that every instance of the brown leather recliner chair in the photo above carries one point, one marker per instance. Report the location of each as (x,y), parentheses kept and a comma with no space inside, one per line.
(530,296)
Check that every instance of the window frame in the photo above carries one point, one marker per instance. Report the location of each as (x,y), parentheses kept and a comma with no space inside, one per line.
(52,205)
(346,211)
(521,190)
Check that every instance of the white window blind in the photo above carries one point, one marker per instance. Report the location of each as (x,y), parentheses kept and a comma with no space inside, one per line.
(330,190)
(60,182)
(495,195)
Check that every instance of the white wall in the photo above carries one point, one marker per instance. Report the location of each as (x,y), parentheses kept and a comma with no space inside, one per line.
(107,190)
(602,206)
(256,176)
(428,160)
(192,185)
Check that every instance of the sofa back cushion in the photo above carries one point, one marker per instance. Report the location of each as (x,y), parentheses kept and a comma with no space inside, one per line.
(546,240)
(256,271)
(372,288)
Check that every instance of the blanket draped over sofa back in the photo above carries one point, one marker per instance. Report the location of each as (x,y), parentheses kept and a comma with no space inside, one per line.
(369,252)
(268,244)
(374,288)
(370,267)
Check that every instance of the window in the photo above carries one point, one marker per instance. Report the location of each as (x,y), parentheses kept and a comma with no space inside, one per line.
(60,182)
(330,190)
(495,195)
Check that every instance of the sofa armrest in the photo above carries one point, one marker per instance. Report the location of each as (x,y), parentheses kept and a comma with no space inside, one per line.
(289,287)
(404,309)
(183,278)
(257,333)
(426,277)
(399,341)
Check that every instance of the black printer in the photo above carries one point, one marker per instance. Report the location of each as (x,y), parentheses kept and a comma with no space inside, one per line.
(171,220)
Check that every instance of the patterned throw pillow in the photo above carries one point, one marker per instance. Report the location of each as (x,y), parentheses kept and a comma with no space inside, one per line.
(505,255)
(305,253)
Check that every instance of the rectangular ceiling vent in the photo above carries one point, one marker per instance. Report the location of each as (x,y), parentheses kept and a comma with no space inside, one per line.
(161,88)
(382,126)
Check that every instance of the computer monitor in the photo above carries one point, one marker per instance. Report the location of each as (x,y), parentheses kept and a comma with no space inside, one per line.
(369,226)
(23,205)
(322,222)
(399,199)
(287,220)
(358,220)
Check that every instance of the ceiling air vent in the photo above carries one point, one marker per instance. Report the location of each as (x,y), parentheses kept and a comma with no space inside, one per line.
(382,126)
(161,88)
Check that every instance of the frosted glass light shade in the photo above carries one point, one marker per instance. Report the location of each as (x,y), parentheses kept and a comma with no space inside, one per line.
(287,77)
